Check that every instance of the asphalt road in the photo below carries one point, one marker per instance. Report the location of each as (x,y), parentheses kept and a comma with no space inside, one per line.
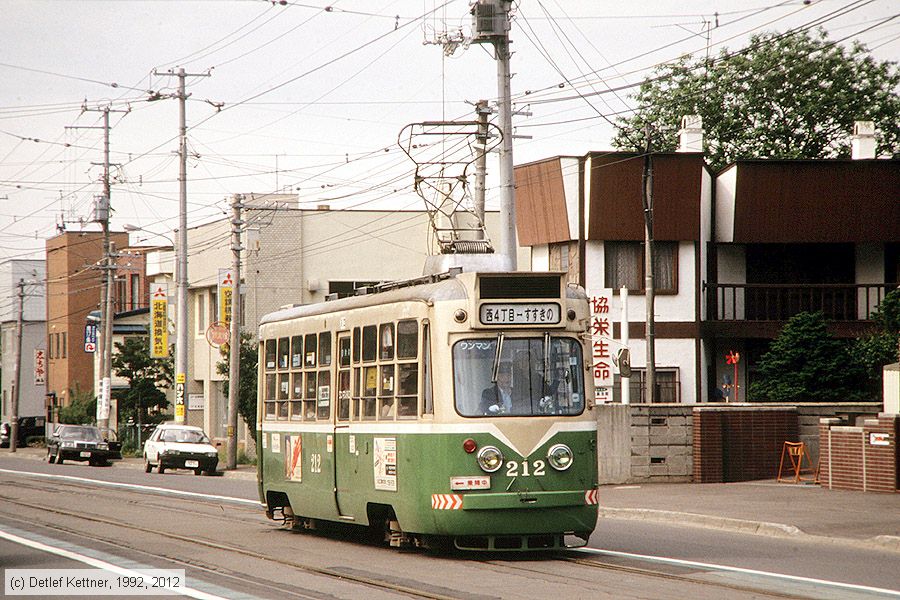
(213,528)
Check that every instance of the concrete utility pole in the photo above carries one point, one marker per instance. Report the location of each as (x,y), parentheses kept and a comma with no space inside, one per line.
(491,25)
(181,267)
(482,111)
(234,354)
(647,198)
(101,214)
(17,376)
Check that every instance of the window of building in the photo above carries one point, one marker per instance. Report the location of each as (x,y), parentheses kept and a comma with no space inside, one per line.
(120,294)
(668,386)
(201,313)
(63,344)
(213,305)
(137,296)
(625,266)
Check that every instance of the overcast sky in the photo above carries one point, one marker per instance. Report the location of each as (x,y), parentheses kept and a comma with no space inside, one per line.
(314,95)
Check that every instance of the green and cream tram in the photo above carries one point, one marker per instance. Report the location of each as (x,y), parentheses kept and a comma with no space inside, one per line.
(453,407)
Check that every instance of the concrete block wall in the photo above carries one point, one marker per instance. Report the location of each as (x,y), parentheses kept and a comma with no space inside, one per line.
(656,442)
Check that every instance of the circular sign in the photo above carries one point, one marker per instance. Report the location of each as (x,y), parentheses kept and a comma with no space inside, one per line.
(217,334)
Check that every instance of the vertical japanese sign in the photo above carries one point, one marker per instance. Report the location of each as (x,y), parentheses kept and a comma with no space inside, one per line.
(601,334)
(385,463)
(90,338)
(179,397)
(159,320)
(40,367)
(226,287)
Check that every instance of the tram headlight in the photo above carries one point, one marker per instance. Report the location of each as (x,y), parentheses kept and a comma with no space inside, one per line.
(490,459)
(560,457)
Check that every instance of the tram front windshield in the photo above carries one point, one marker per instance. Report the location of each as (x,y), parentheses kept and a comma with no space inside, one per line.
(518,381)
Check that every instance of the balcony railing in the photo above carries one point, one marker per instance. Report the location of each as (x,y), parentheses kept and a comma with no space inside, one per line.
(779,302)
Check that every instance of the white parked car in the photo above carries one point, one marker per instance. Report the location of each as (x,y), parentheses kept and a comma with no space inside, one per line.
(180,447)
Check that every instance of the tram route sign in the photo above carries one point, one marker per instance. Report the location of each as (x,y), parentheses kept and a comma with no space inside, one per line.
(532,313)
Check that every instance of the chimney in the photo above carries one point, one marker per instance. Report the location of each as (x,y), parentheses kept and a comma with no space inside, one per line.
(690,137)
(862,142)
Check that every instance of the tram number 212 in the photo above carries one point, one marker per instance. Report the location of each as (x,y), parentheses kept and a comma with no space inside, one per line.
(527,469)
(315,463)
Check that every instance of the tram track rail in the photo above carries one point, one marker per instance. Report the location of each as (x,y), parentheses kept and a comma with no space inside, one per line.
(544,570)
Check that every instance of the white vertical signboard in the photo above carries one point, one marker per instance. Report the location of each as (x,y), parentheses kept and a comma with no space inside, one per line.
(601,335)
(159,320)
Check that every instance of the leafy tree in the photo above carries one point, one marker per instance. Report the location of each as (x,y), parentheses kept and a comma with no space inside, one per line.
(783,96)
(249,358)
(82,407)
(145,375)
(806,364)
(880,348)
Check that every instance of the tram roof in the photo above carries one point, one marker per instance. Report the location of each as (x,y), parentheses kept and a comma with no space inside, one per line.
(450,288)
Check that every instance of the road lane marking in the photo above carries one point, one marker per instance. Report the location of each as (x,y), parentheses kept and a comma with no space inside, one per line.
(100,564)
(741,570)
(116,484)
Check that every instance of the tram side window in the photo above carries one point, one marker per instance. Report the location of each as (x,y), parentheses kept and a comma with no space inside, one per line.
(283,352)
(356,343)
(370,387)
(387,341)
(270,393)
(296,396)
(407,389)
(407,339)
(369,343)
(325,349)
(344,395)
(309,398)
(296,351)
(310,350)
(324,397)
(270,355)
(386,393)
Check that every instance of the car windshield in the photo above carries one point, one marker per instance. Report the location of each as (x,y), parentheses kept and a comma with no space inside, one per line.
(184,436)
(525,384)
(90,434)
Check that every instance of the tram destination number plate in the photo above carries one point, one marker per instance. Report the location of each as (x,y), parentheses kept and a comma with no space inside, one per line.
(535,313)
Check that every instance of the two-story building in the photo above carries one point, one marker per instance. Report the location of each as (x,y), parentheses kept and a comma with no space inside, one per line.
(737,253)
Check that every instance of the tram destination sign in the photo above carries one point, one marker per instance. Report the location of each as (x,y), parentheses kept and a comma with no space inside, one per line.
(533,313)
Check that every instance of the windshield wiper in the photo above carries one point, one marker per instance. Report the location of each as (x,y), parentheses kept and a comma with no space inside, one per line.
(496,366)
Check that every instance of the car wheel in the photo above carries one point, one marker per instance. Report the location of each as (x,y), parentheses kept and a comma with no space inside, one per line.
(147,466)
(161,469)
(59,459)
(92,462)
(198,471)
(50,458)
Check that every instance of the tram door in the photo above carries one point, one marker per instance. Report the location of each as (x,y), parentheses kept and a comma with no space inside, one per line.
(344,447)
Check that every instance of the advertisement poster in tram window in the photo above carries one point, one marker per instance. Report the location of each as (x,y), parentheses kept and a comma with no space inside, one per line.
(293,457)
(386,464)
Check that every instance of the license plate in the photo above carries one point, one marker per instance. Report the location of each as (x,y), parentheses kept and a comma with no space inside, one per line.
(191,464)
(85,454)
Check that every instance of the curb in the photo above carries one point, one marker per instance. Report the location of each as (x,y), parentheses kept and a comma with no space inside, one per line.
(888,543)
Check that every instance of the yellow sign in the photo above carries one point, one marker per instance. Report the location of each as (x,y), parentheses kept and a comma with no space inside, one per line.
(159,321)
(179,378)
(225,292)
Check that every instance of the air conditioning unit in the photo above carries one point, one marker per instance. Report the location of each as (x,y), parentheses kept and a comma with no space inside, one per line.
(489,20)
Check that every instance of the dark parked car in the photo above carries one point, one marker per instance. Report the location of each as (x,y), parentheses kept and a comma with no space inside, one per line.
(28,427)
(78,442)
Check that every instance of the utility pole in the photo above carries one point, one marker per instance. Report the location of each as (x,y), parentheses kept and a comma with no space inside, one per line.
(647,198)
(491,25)
(181,267)
(234,354)
(17,376)
(102,211)
(482,111)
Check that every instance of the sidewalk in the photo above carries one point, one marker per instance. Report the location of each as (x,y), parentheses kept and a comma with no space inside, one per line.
(865,519)
(764,508)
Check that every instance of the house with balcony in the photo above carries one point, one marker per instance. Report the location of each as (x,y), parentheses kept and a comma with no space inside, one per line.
(737,253)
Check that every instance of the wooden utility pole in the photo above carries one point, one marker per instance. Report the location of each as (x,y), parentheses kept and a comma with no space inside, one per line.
(647,198)
(17,376)
(234,352)
(482,111)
